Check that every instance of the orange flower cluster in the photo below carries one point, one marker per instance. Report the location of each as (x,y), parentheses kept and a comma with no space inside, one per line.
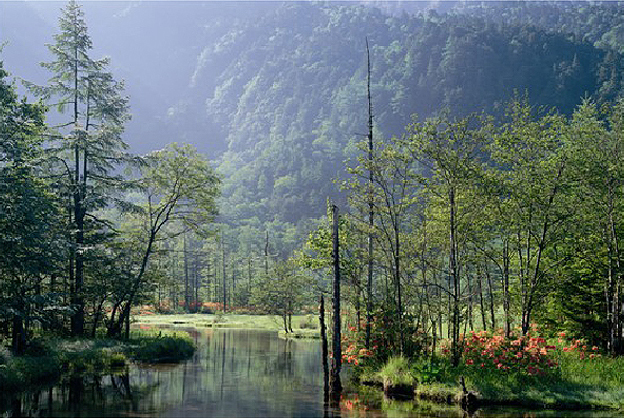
(524,354)
(530,354)
(578,346)
(355,352)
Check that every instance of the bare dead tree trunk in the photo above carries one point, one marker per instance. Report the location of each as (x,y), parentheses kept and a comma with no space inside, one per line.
(335,385)
(324,348)
(369,283)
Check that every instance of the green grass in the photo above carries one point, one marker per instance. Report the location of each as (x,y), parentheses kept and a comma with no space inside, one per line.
(396,371)
(244,321)
(595,383)
(162,349)
(299,333)
(46,360)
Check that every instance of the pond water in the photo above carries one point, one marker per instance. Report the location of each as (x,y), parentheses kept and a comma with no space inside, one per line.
(234,373)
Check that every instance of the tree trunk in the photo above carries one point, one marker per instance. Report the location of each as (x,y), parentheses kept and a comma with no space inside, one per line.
(335,385)
(224,280)
(490,295)
(77,319)
(186,277)
(324,347)
(470,300)
(127,323)
(397,283)
(454,276)
(249,279)
(369,283)
(124,316)
(481,304)
(266,254)
(506,295)
(615,322)
(96,317)
(358,297)
(18,335)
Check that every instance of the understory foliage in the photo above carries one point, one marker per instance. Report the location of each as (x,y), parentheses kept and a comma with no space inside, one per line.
(496,242)
(163,349)
(536,368)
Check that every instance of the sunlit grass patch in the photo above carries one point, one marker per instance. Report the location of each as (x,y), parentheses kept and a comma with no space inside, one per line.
(398,380)
(300,333)
(228,320)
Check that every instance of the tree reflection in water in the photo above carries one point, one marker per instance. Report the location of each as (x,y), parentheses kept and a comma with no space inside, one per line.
(80,395)
(242,373)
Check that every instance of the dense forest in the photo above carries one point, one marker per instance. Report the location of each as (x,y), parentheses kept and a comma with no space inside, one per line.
(494,181)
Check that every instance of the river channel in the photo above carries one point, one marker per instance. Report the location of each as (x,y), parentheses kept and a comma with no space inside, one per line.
(234,373)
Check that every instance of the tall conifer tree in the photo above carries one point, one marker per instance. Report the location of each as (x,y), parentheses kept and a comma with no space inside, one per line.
(88,142)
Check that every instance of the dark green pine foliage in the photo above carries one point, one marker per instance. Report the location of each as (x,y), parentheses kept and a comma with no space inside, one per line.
(87,147)
(30,241)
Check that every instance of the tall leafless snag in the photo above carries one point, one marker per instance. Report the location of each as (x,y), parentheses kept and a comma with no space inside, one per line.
(335,385)
(369,284)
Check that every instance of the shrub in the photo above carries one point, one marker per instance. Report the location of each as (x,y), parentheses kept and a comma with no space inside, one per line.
(37,348)
(117,360)
(164,350)
(218,318)
(433,370)
(5,355)
(24,371)
(308,323)
(354,351)
(397,371)
(524,354)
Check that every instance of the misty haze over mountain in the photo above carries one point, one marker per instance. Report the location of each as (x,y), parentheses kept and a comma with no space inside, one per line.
(274,92)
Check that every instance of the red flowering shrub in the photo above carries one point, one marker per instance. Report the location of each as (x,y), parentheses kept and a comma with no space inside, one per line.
(524,354)
(530,354)
(578,347)
(353,349)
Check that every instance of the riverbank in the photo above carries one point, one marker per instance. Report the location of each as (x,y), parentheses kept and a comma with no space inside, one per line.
(577,384)
(47,359)
(303,326)
(234,373)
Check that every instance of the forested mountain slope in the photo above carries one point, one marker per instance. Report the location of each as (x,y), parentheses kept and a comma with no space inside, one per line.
(293,97)
(277,91)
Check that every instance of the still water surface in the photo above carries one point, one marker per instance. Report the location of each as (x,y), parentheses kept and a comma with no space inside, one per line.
(234,373)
